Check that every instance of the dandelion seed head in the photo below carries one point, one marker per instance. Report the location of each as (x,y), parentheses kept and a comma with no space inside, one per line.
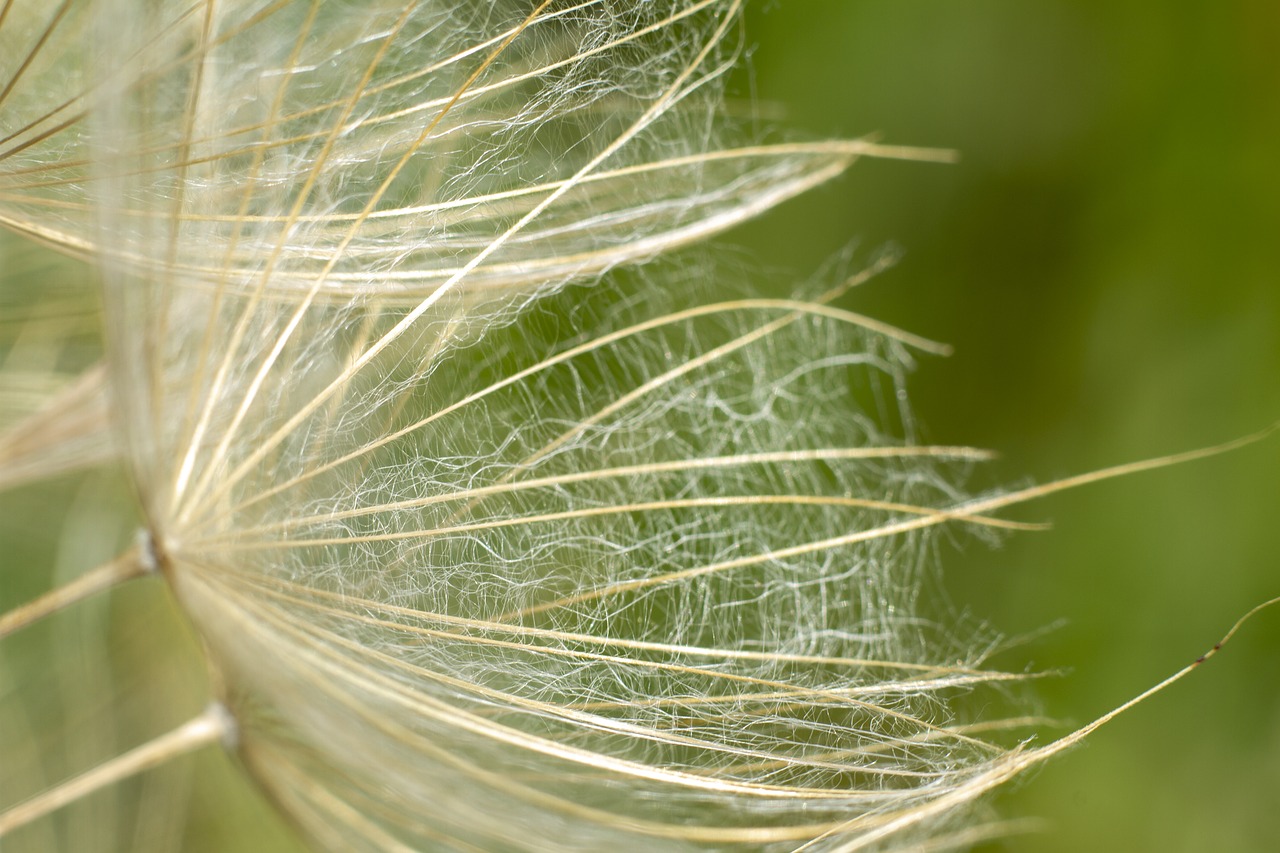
(466,582)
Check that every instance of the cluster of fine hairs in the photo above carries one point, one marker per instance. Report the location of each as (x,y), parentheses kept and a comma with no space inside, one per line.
(501,527)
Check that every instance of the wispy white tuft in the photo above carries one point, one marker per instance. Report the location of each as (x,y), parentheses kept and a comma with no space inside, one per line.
(481,560)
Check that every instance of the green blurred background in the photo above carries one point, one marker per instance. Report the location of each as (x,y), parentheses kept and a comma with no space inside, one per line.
(1105,258)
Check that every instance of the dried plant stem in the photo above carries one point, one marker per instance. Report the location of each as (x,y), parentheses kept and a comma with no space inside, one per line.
(213,725)
(131,564)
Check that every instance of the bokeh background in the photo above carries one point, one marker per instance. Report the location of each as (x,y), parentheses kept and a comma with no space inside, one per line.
(1105,258)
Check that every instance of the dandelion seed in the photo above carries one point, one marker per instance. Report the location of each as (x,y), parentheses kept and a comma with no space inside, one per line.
(466,581)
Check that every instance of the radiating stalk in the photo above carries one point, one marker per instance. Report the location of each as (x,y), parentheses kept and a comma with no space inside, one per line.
(129,565)
(213,725)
